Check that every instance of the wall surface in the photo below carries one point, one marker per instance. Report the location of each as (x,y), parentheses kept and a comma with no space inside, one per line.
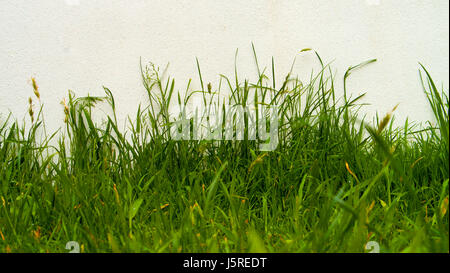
(83,45)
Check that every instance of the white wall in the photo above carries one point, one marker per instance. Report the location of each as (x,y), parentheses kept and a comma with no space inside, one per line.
(84,44)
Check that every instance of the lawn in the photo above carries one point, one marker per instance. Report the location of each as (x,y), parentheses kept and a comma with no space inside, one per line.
(334,182)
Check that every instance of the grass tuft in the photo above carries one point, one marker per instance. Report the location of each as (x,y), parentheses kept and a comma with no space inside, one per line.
(333,183)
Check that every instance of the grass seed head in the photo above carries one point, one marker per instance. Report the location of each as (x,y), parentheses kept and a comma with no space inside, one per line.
(66,110)
(30,109)
(35,88)
(386,120)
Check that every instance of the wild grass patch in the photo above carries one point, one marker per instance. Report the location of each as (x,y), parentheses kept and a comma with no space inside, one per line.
(333,183)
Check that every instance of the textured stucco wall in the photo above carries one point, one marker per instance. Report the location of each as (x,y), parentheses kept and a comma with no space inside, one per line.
(84,44)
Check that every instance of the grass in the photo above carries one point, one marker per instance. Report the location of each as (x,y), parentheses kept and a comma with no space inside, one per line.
(334,182)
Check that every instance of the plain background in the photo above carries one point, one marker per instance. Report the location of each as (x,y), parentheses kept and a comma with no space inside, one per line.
(83,45)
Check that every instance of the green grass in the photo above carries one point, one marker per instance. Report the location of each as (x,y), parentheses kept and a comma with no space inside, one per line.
(334,182)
